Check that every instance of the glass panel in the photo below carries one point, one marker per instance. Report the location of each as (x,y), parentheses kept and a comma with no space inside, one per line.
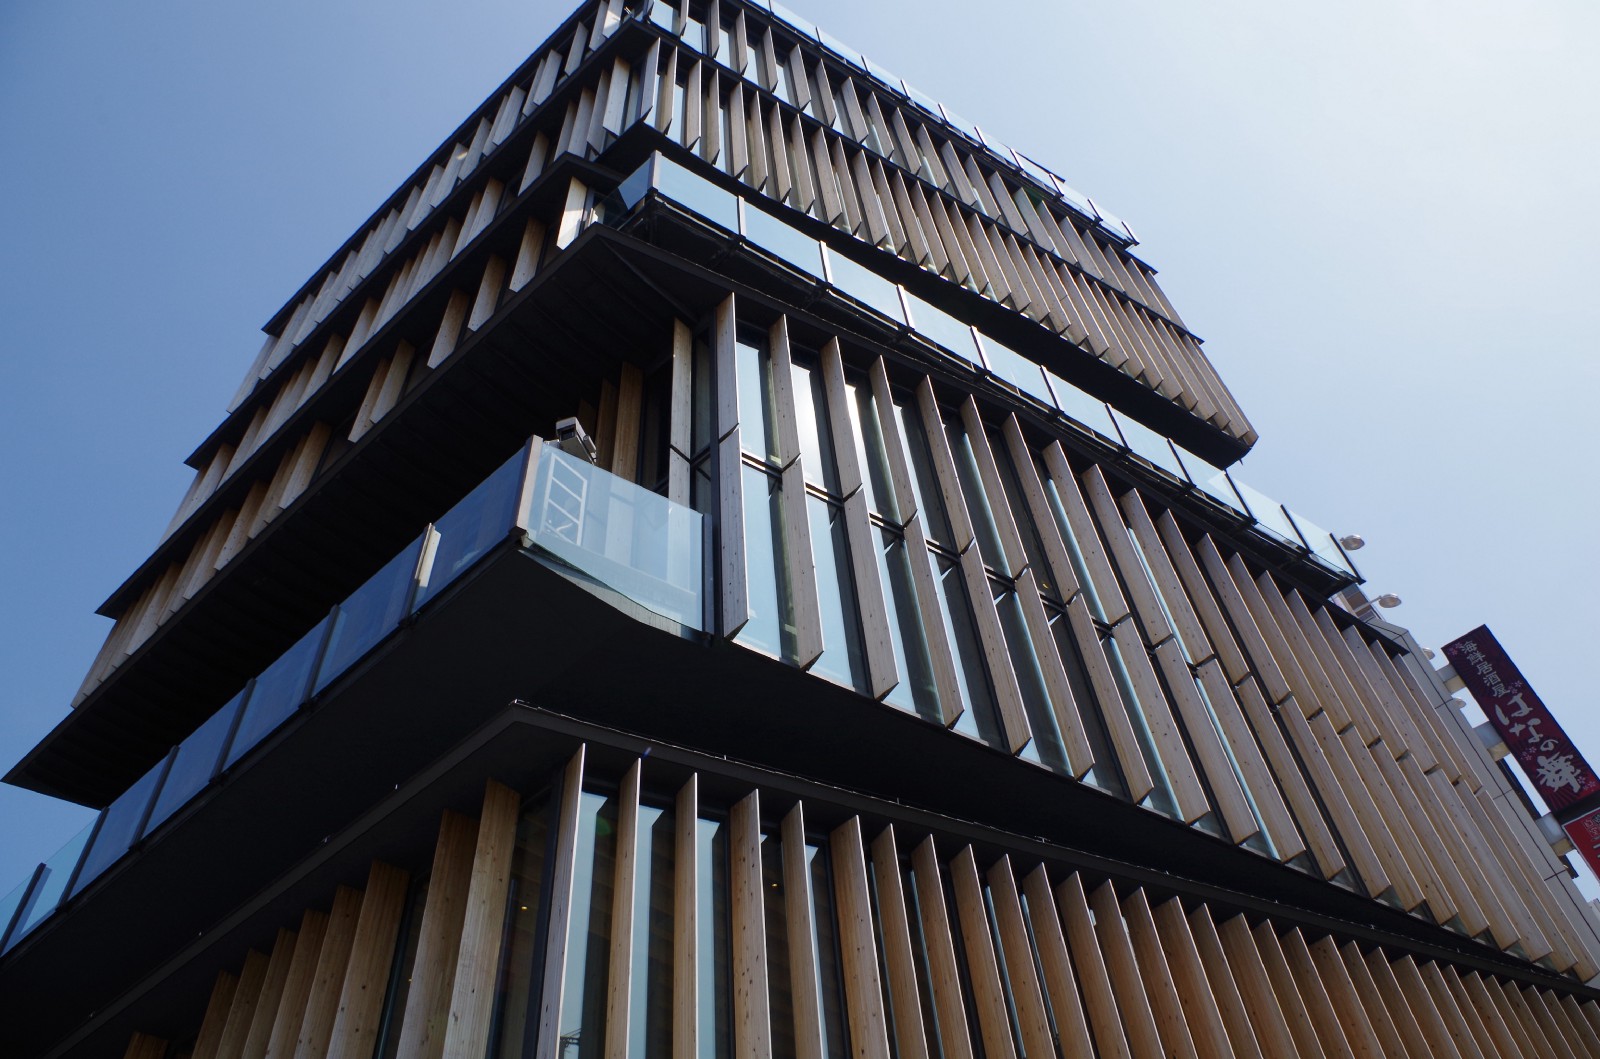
(638,183)
(479,521)
(1268,514)
(1076,199)
(758,415)
(11,902)
(701,405)
(916,691)
(1190,651)
(516,1003)
(715,992)
(370,613)
(866,286)
(1322,544)
(783,242)
(976,497)
(51,885)
(198,759)
(924,484)
(583,992)
(872,456)
(771,625)
(277,692)
(980,720)
(1146,443)
(877,70)
(922,99)
(634,541)
(664,15)
(941,328)
(698,195)
(650,1002)
(1105,774)
(1160,797)
(119,827)
(1021,515)
(1261,841)
(961,123)
(841,660)
(1046,746)
(1208,479)
(1081,408)
(808,28)
(1114,225)
(830,982)
(816,442)
(1016,369)
(1074,553)
(840,48)
(780,994)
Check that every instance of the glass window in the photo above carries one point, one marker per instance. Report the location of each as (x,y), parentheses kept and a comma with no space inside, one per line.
(780,994)
(783,89)
(1261,841)
(1160,798)
(1047,747)
(771,625)
(980,721)
(120,826)
(811,421)
(479,521)
(871,454)
(1022,515)
(1016,369)
(371,613)
(1105,774)
(197,761)
(977,499)
(1074,553)
(650,1002)
(715,992)
(583,992)
(917,690)
(940,328)
(782,241)
(841,660)
(278,692)
(830,980)
(516,1002)
(1269,514)
(758,417)
(50,886)
(1146,443)
(924,483)
(697,194)
(1078,406)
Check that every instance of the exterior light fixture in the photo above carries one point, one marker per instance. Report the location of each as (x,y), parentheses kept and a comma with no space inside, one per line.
(1352,542)
(1388,601)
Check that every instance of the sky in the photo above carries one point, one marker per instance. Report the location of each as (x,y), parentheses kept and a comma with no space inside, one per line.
(1380,216)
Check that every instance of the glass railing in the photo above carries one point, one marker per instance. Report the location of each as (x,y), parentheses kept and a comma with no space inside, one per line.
(618,534)
(622,535)
(771,235)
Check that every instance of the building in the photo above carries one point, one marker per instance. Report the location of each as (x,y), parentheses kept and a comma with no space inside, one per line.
(420,735)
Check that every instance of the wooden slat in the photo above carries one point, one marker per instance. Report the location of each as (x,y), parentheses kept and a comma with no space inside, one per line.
(685,931)
(1112,606)
(1146,607)
(1583,1030)
(145,1046)
(1060,580)
(752,1028)
(1166,1002)
(1138,1016)
(1496,1034)
(1119,727)
(1239,822)
(944,469)
(1015,558)
(1203,1007)
(427,1012)
(1560,1047)
(1296,791)
(357,1024)
(983,968)
(562,871)
(797,907)
(242,1010)
(1060,981)
(1331,997)
(1064,705)
(1238,1018)
(1202,597)
(944,978)
(215,1019)
(1417,1002)
(296,995)
(991,639)
(1025,990)
(322,1009)
(1463,1028)
(910,1035)
(1308,1032)
(863,987)
(1180,770)
(271,996)
(1261,781)
(619,985)
(1279,1030)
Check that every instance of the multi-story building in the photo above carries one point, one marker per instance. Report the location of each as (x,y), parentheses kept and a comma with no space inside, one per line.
(730,561)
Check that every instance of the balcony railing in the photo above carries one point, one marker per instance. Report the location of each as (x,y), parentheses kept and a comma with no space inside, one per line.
(616,534)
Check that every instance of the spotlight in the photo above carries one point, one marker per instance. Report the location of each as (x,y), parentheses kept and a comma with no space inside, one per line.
(1352,542)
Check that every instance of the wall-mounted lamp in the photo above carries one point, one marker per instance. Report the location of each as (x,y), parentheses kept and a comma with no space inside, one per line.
(1352,542)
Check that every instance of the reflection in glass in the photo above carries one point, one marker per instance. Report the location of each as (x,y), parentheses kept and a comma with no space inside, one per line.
(1083,409)
(278,692)
(697,194)
(830,982)
(941,328)
(1160,798)
(10,903)
(1046,747)
(650,999)
(51,885)
(370,613)
(758,415)
(782,241)
(924,483)
(780,994)
(516,1002)
(197,760)
(583,992)
(871,454)
(1105,773)
(478,522)
(1016,369)
(841,660)
(1146,443)
(866,286)
(980,719)
(816,443)
(771,625)
(916,691)
(976,498)
(120,827)
(1268,513)
(715,992)
(1074,553)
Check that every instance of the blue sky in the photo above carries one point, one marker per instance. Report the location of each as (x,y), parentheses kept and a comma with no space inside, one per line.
(1381,216)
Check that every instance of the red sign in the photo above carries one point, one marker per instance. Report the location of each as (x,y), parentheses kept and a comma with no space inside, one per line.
(1585,835)
(1557,769)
